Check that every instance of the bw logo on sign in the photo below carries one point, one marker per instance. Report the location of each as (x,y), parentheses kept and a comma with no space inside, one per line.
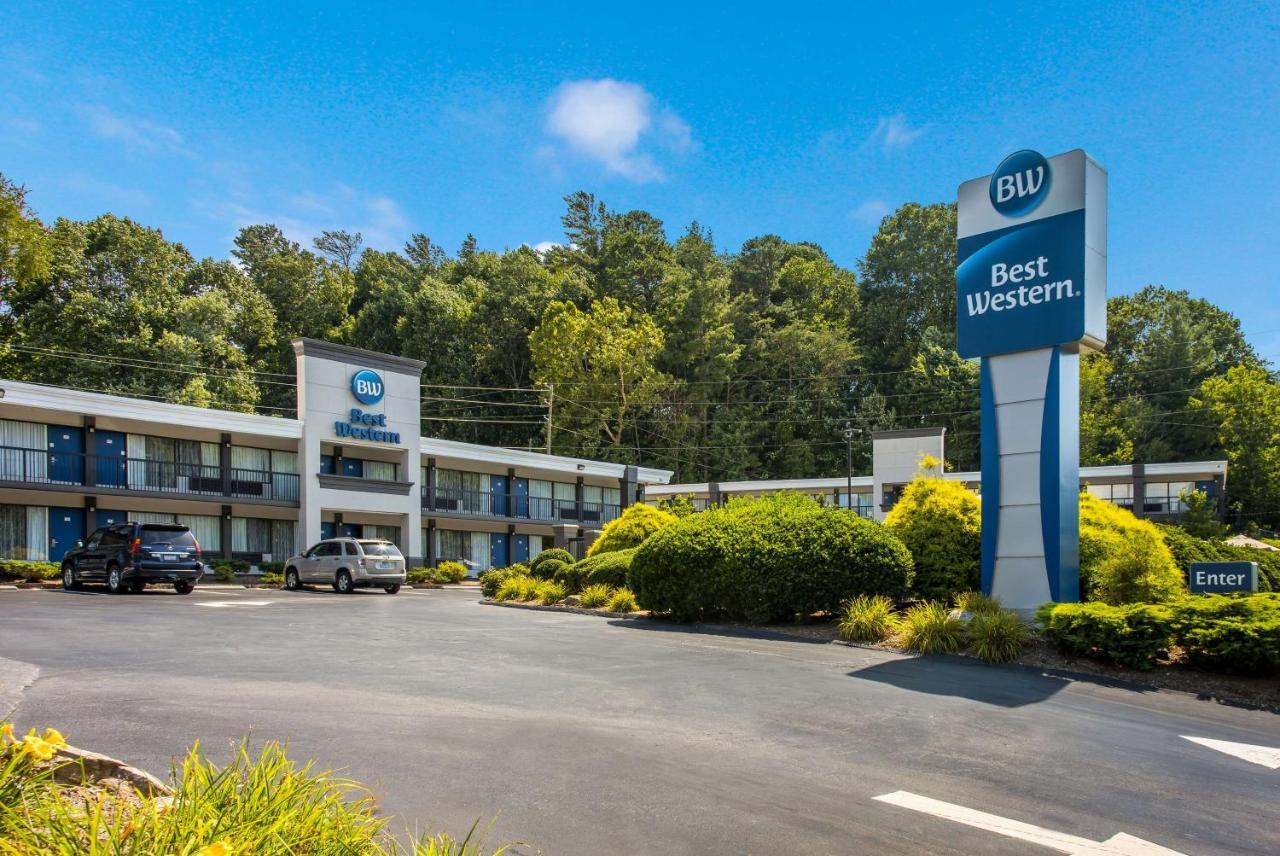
(367,387)
(1020,183)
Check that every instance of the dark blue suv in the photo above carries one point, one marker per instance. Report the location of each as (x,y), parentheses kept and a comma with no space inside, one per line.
(127,556)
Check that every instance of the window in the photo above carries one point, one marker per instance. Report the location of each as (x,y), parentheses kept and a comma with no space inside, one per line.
(153,534)
(452,545)
(325,548)
(374,548)
(23,451)
(1166,497)
(1120,494)
(15,533)
(540,498)
(382,533)
(257,535)
(380,470)
(349,549)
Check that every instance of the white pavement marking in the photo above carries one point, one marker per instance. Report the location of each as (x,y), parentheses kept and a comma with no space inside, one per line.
(1267,756)
(1118,845)
(220,603)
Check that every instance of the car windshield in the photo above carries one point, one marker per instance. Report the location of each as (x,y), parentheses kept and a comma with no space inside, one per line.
(379,548)
(179,536)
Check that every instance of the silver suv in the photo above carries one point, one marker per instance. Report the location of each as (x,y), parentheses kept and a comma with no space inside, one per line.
(348,564)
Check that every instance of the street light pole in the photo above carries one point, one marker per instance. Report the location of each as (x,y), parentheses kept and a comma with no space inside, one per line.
(848,448)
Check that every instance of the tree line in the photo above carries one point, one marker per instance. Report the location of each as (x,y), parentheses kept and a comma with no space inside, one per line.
(620,343)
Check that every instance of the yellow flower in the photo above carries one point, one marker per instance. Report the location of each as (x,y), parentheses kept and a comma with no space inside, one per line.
(217,848)
(53,736)
(6,730)
(37,748)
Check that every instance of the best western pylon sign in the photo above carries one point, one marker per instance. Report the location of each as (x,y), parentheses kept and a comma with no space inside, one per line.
(1031,293)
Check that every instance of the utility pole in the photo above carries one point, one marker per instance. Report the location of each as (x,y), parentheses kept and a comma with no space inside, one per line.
(551,412)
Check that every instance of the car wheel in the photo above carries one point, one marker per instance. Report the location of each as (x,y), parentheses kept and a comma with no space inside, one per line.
(342,583)
(291,579)
(391,589)
(115,580)
(184,586)
(69,581)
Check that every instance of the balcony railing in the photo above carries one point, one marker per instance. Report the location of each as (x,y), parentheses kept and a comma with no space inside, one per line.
(483,503)
(37,466)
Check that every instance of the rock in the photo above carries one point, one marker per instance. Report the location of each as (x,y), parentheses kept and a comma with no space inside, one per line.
(88,767)
(572,600)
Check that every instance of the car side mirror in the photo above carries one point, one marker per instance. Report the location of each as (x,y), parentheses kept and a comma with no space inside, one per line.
(79,542)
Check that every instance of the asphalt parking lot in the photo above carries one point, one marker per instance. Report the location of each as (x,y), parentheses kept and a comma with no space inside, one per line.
(583,735)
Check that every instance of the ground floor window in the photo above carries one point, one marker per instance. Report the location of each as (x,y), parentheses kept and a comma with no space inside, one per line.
(24,532)
(206,528)
(382,533)
(272,538)
(470,548)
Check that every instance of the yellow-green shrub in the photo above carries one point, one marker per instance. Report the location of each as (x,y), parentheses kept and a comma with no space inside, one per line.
(622,600)
(595,596)
(940,521)
(1123,559)
(868,618)
(631,529)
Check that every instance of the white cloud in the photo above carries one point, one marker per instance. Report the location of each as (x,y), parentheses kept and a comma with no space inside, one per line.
(140,134)
(607,120)
(895,132)
(543,247)
(870,212)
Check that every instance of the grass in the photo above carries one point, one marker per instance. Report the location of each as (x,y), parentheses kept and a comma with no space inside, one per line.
(868,618)
(595,596)
(265,805)
(622,600)
(516,588)
(548,592)
(929,628)
(997,637)
(977,603)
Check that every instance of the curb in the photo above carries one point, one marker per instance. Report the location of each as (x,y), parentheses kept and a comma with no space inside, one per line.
(630,616)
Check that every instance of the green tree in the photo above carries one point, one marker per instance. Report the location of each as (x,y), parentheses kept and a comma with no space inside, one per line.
(1243,405)
(601,363)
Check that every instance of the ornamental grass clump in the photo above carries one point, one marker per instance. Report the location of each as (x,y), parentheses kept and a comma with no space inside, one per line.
(622,600)
(595,596)
(975,602)
(997,636)
(868,618)
(515,588)
(548,592)
(930,628)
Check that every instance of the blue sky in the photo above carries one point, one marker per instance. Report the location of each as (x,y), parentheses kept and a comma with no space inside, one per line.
(807,121)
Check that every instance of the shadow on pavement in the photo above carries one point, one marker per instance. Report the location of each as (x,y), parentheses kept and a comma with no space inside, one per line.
(1004,686)
(728,630)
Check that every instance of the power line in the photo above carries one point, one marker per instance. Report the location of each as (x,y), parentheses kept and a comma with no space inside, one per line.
(145,363)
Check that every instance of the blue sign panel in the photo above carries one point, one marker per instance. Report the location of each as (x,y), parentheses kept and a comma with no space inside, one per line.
(1021,287)
(367,387)
(1222,577)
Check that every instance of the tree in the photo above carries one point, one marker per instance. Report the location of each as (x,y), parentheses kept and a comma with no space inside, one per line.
(1243,405)
(908,280)
(601,365)
(339,246)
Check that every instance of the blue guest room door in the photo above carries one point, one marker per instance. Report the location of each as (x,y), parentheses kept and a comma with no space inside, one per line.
(66,527)
(110,448)
(497,550)
(498,487)
(66,454)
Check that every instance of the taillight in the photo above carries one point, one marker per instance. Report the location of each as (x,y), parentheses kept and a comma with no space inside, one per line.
(196,541)
(136,548)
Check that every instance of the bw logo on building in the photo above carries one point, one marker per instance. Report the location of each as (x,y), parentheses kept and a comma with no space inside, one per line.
(367,387)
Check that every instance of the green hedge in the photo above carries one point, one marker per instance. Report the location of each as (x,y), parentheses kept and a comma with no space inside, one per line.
(30,571)
(550,569)
(1187,548)
(608,569)
(492,580)
(768,559)
(555,554)
(1232,633)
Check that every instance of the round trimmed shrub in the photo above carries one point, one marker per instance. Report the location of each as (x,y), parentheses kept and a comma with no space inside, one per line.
(607,568)
(768,559)
(555,554)
(550,569)
(631,529)
(571,577)
(1124,559)
(940,521)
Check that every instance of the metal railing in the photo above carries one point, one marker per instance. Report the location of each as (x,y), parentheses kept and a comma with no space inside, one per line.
(483,503)
(39,466)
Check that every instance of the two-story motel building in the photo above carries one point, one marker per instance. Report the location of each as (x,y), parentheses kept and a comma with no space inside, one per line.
(262,487)
(353,462)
